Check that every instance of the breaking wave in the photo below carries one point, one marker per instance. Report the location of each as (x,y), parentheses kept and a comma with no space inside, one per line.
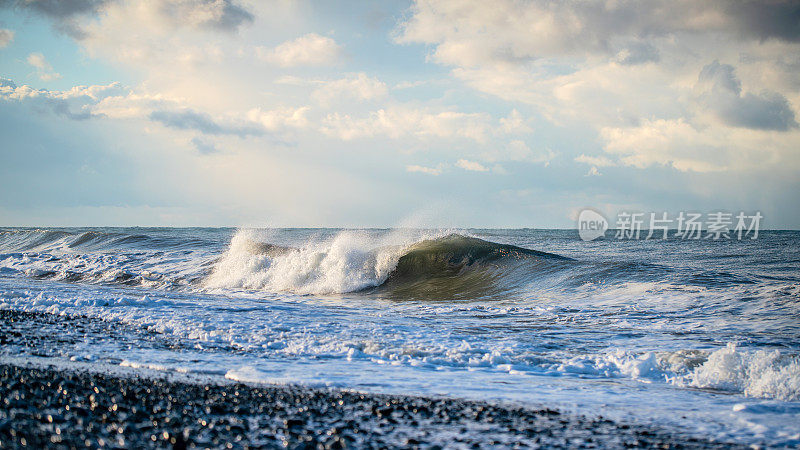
(443,266)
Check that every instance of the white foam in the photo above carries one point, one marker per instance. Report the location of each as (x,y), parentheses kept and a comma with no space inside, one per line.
(761,373)
(766,374)
(351,261)
(752,373)
(152,366)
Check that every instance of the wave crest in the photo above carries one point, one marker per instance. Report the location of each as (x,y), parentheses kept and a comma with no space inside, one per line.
(440,264)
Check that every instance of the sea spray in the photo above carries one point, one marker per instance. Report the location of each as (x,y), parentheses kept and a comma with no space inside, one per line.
(350,261)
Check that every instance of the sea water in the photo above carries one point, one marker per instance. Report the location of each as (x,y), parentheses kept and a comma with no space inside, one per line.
(698,335)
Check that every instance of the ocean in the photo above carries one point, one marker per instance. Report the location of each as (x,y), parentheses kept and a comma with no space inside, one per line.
(699,336)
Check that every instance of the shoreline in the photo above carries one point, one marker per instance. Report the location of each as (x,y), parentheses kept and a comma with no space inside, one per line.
(75,407)
(48,400)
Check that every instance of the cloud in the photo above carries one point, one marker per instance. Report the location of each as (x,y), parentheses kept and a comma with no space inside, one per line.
(65,15)
(409,84)
(403,122)
(721,93)
(514,123)
(43,68)
(204,146)
(59,8)
(153,35)
(222,15)
(37,60)
(673,143)
(425,170)
(6,36)
(76,103)
(280,119)
(638,53)
(187,119)
(766,20)
(519,151)
(354,86)
(593,172)
(628,72)
(114,101)
(472,33)
(708,148)
(471,165)
(74,17)
(308,50)
(599,161)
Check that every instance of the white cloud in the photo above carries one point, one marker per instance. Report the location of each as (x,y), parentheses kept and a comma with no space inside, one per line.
(654,142)
(593,172)
(471,165)
(403,122)
(599,161)
(77,103)
(409,84)
(198,51)
(182,49)
(425,170)
(43,69)
(691,148)
(131,105)
(6,36)
(155,33)
(628,73)
(354,86)
(308,50)
(113,101)
(514,124)
(280,119)
(37,60)
(518,150)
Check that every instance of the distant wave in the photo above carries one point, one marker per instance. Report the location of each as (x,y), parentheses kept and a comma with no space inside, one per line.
(44,240)
(98,256)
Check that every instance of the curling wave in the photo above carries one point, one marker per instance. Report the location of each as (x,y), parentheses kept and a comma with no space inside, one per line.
(449,266)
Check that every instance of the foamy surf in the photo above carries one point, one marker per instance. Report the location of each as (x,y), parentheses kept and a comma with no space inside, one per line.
(757,374)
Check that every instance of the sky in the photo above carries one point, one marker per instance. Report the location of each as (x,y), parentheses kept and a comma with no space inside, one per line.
(396,113)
